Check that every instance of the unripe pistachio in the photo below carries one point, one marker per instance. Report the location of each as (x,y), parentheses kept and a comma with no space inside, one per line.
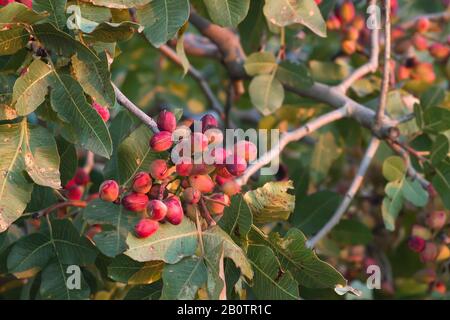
(161,141)
(174,210)
(352,34)
(220,155)
(221,180)
(75,193)
(142,182)
(436,219)
(223,172)
(246,149)
(158,169)
(208,121)
(146,227)
(424,71)
(70,184)
(359,23)
(101,110)
(184,168)
(439,287)
(333,23)
(422,25)
(439,51)
(222,201)
(109,190)
(135,202)
(231,188)
(403,73)
(81,177)
(347,12)
(416,244)
(429,253)
(214,135)
(203,183)
(167,121)
(201,169)
(157,210)
(191,195)
(420,42)
(236,165)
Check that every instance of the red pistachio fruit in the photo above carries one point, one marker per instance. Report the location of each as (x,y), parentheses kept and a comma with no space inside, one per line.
(429,253)
(231,188)
(236,165)
(208,121)
(416,244)
(75,193)
(161,141)
(81,177)
(246,149)
(174,210)
(157,210)
(436,219)
(109,190)
(184,168)
(135,202)
(218,203)
(167,121)
(146,227)
(202,183)
(158,169)
(142,182)
(191,195)
(102,111)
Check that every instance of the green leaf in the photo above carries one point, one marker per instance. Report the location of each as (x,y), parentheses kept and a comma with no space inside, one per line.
(294,75)
(7,112)
(13,40)
(162,19)
(433,97)
(214,236)
(69,161)
(312,212)
(237,218)
(304,265)
(270,282)
(266,93)
(54,281)
(181,281)
(58,240)
(227,13)
(98,73)
(56,9)
(110,242)
(252,28)
(133,155)
(119,4)
(213,258)
(271,202)
(92,82)
(260,63)
(326,151)
(30,89)
(414,192)
(169,244)
(441,182)
(440,149)
(419,115)
(18,13)
(68,100)
(125,270)
(436,120)
(29,149)
(392,203)
(352,232)
(394,168)
(41,197)
(286,12)
(145,292)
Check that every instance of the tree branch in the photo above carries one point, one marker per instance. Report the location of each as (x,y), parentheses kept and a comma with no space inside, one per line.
(354,187)
(56,206)
(290,137)
(387,63)
(370,67)
(130,106)
(216,105)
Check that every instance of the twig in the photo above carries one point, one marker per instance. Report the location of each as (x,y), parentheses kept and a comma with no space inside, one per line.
(56,206)
(370,67)
(387,63)
(354,187)
(290,137)
(215,103)
(437,17)
(90,162)
(199,231)
(205,213)
(130,106)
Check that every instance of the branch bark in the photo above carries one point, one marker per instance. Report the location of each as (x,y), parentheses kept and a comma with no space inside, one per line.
(130,106)
(354,187)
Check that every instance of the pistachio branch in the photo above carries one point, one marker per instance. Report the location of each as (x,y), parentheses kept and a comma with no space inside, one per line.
(59,205)
(215,103)
(130,106)
(354,187)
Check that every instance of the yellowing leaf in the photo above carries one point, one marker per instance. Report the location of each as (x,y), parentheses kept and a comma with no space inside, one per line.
(272,202)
